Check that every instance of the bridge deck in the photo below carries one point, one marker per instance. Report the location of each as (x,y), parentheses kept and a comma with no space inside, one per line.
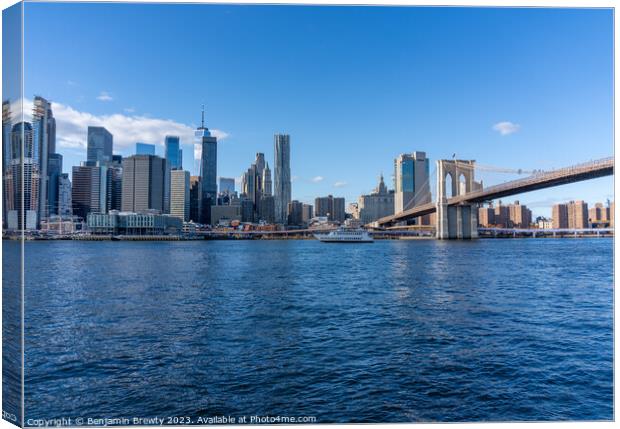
(576,173)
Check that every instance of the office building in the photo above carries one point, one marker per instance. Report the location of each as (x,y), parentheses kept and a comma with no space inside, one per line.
(64,195)
(282,176)
(411,181)
(208,169)
(195,199)
(89,189)
(145,149)
(330,207)
(377,204)
(54,170)
(227,185)
(179,194)
(144,184)
(99,145)
(267,183)
(173,152)
(247,210)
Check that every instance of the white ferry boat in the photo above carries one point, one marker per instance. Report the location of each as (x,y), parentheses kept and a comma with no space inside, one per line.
(345,235)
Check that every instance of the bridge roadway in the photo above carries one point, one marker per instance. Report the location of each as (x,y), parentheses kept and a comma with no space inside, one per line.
(576,173)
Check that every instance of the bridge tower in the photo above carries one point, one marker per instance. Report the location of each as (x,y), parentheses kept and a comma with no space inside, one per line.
(456,221)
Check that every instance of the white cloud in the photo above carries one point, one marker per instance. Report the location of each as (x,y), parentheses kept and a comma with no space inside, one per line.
(506,127)
(317,179)
(72,125)
(340,184)
(294,178)
(104,96)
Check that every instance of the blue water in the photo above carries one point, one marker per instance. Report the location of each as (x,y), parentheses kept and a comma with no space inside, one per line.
(394,331)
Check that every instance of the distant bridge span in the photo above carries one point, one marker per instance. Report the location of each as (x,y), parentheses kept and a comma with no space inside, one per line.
(576,173)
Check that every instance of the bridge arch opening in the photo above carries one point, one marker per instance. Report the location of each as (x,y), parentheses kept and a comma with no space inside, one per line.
(448,185)
(462,185)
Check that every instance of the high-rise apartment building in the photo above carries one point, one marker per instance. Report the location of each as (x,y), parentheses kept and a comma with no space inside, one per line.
(22,180)
(99,145)
(307,213)
(179,194)
(54,171)
(520,216)
(144,183)
(173,152)
(578,214)
(282,176)
(559,216)
(411,181)
(208,169)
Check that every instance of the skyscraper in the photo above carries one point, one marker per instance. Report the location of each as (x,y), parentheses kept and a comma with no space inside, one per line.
(267,184)
(64,195)
(145,149)
(295,213)
(331,207)
(411,181)
(179,194)
(44,141)
(22,180)
(208,169)
(227,185)
(282,176)
(195,199)
(173,152)
(54,171)
(144,186)
(89,190)
(99,145)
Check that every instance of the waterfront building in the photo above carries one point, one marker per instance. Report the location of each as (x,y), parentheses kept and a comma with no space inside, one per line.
(330,207)
(379,203)
(486,216)
(502,216)
(519,216)
(173,152)
(223,215)
(411,181)
(559,215)
(307,213)
(64,195)
(143,183)
(227,185)
(282,176)
(599,216)
(22,180)
(544,223)
(99,145)
(90,191)
(208,169)
(128,223)
(295,213)
(59,225)
(145,149)
(179,194)
(577,214)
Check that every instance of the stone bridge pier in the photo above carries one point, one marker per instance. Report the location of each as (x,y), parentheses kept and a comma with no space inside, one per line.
(456,177)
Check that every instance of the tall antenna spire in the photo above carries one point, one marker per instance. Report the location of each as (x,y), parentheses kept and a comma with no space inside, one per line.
(203,116)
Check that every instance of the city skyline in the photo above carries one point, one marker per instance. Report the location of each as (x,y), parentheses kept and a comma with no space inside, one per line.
(509,112)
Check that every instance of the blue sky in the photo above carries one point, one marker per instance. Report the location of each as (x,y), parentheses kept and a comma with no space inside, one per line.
(353,86)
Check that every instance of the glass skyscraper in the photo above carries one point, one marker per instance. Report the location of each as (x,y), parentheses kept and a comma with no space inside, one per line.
(173,152)
(411,181)
(208,169)
(282,176)
(99,145)
(145,149)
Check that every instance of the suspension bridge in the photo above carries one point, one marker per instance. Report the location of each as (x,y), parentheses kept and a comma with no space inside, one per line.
(457,215)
